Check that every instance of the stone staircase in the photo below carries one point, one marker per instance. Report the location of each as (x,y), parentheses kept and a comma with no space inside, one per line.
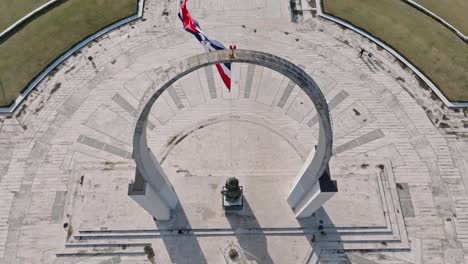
(392,236)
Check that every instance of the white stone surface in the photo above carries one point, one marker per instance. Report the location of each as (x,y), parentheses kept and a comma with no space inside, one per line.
(149,200)
(41,155)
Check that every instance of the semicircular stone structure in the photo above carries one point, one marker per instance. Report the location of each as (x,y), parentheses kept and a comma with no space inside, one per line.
(400,157)
(152,188)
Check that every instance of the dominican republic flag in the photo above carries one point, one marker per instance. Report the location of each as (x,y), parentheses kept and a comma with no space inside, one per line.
(193,27)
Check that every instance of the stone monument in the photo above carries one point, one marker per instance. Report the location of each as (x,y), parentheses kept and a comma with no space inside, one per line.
(233,198)
(312,186)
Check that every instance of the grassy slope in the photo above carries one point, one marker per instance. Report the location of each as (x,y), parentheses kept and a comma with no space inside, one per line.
(453,11)
(435,50)
(13,10)
(29,51)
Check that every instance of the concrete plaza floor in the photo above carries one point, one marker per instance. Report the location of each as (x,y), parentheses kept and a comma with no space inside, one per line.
(400,158)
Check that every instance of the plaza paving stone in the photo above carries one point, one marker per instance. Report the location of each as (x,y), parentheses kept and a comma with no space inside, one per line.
(66,154)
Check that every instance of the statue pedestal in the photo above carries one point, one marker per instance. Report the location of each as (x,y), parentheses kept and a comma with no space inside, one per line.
(233,205)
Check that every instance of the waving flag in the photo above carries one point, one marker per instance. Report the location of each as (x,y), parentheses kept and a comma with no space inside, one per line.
(192,26)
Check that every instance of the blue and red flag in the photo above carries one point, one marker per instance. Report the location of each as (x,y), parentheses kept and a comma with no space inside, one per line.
(192,26)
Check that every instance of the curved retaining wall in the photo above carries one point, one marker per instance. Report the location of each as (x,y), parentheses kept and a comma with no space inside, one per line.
(316,163)
(438,19)
(400,58)
(394,53)
(11,109)
(26,17)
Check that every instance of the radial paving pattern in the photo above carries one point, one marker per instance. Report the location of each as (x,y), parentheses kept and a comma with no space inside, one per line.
(66,155)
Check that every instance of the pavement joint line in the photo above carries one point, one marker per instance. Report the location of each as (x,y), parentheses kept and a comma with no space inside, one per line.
(58,207)
(260,77)
(334,102)
(364,139)
(105,133)
(249,80)
(94,143)
(23,201)
(175,97)
(124,104)
(210,80)
(287,92)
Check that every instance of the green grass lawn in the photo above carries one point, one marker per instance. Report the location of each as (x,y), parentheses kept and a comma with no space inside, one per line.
(453,11)
(29,51)
(435,50)
(13,10)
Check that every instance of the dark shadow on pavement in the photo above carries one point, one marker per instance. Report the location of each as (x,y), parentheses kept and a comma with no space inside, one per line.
(254,246)
(326,233)
(182,246)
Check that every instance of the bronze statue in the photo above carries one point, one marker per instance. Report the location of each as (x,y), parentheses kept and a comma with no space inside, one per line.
(232,191)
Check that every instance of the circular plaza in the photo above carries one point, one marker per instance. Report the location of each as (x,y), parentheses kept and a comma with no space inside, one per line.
(399,156)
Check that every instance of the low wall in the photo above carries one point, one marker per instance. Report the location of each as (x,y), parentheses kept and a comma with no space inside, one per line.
(438,19)
(27,17)
(37,80)
(395,53)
